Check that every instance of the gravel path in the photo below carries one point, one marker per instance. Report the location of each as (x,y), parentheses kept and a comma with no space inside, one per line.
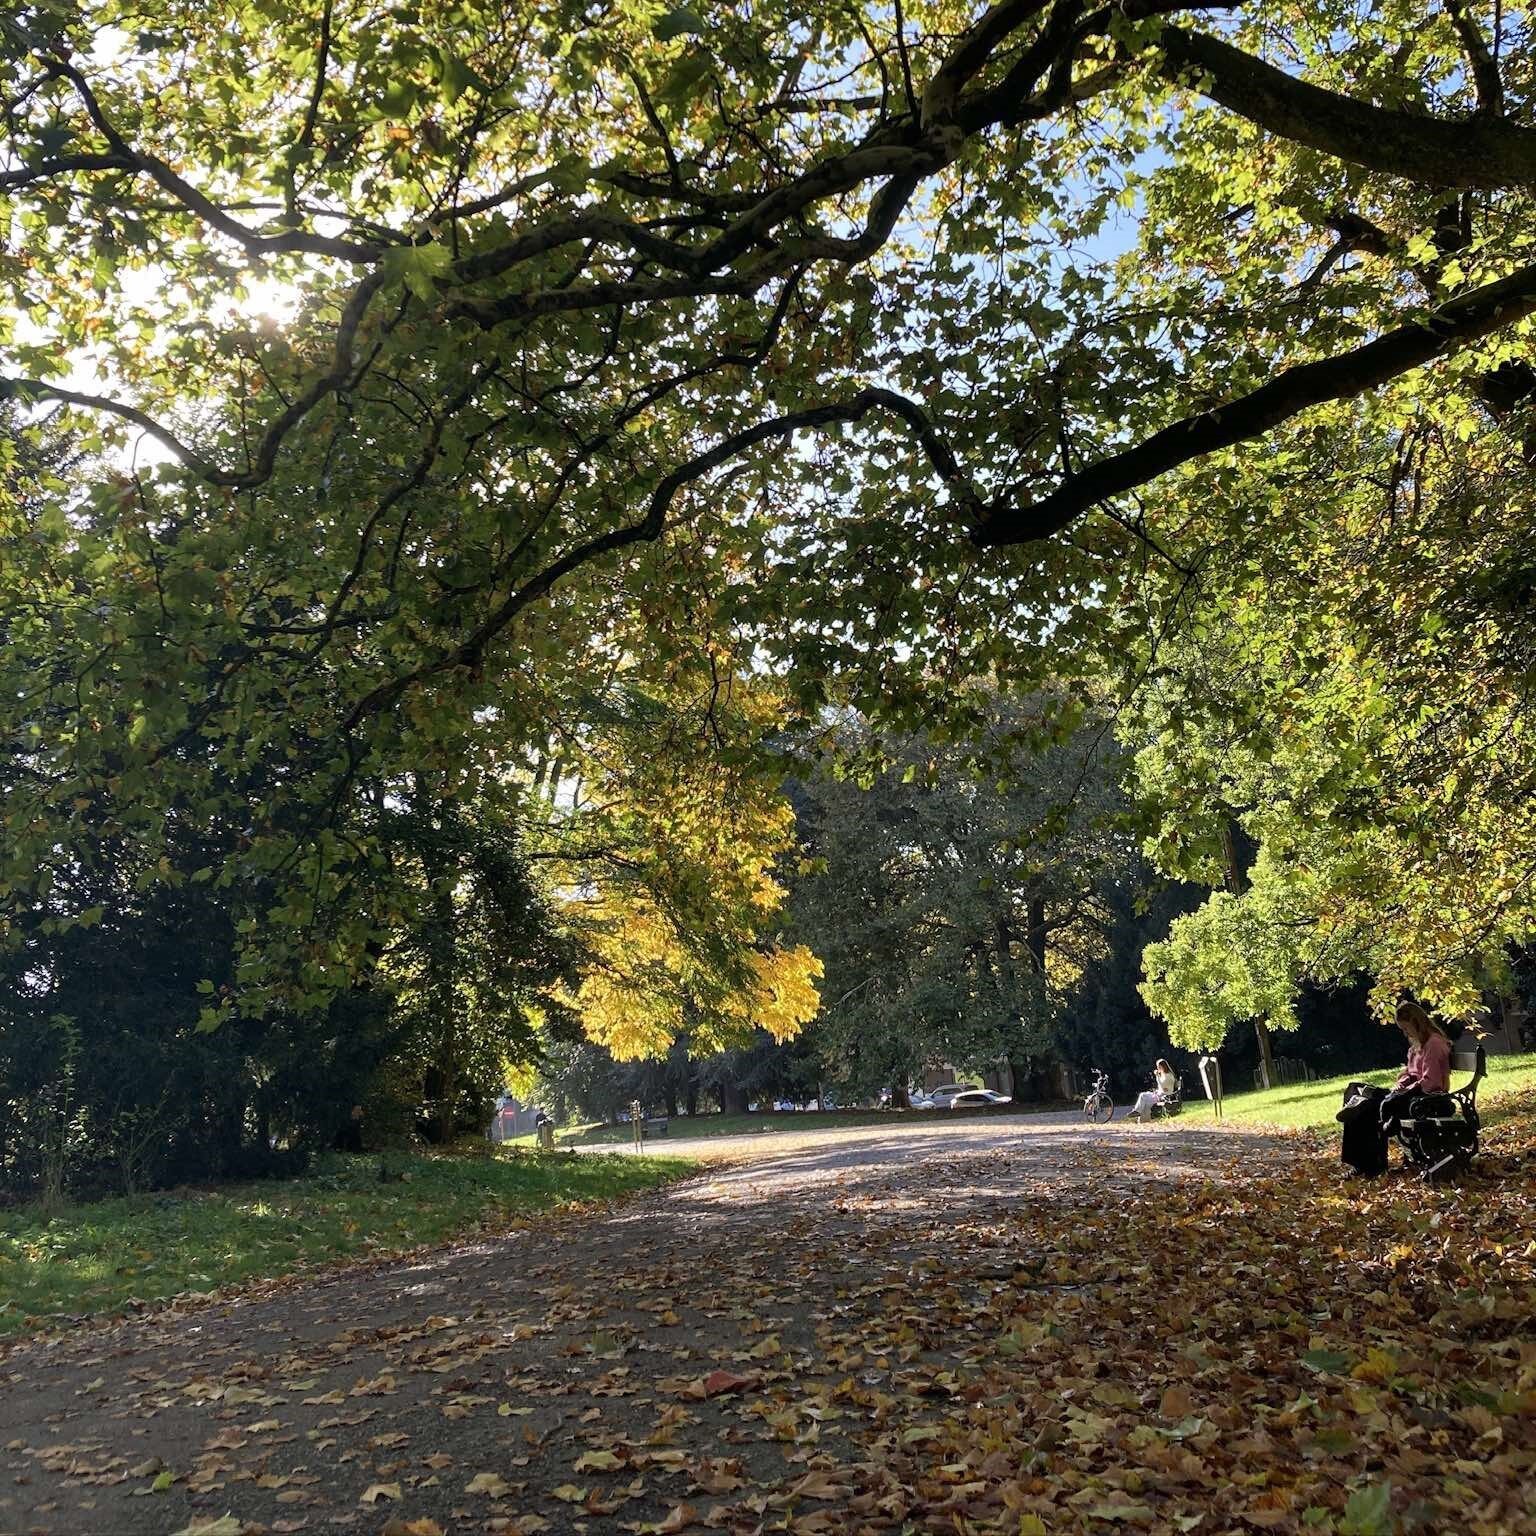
(604,1375)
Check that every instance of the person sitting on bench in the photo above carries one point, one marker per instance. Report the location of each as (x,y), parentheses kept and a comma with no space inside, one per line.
(1370,1115)
(1429,1063)
(1167,1084)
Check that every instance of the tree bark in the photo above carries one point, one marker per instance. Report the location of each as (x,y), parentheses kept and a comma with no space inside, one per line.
(1479,151)
(1022,1070)
(1036,932)
(1238,851)
(1266,1059)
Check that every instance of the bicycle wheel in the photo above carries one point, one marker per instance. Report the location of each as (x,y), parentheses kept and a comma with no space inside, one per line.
(1103,1111)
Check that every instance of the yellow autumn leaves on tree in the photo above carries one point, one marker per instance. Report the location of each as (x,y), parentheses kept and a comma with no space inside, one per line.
(664,861)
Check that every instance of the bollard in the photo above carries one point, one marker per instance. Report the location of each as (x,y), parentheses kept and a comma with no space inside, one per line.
(546,1137)
(637,1120)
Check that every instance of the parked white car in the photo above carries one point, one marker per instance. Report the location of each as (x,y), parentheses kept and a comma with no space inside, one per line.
(978,1098)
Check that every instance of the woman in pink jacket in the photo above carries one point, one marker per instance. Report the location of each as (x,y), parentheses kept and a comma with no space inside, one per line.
(1429,1063)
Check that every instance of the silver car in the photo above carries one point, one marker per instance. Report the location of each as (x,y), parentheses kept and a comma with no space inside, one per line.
(978,1098)
(941,1098)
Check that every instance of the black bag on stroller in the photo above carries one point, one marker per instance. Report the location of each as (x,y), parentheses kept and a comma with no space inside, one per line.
(1364,1146)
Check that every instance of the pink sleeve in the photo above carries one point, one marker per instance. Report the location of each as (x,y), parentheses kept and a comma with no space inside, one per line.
(1435,1065)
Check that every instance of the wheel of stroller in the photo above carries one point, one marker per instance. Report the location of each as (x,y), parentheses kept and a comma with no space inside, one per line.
(1448,1167)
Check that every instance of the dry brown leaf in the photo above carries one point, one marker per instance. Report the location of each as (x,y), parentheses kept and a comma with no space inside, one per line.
(492,1484)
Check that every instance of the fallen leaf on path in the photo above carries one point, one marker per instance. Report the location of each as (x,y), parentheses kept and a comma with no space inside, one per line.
(225,1525)
(492,1484)
(717,1384)
(679,1518)
(597,1461)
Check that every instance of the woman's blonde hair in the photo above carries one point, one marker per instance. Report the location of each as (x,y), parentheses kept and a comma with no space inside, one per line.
(1417,1020)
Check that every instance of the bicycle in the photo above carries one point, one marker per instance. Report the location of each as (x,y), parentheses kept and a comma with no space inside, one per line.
(1099,1107)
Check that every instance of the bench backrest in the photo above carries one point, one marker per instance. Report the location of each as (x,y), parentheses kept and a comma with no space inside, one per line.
(1475,1062)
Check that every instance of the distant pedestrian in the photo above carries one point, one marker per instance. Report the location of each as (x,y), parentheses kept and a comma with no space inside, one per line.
(1167,1084)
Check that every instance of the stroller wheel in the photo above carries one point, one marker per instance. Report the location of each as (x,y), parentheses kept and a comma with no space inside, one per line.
(1446,1168)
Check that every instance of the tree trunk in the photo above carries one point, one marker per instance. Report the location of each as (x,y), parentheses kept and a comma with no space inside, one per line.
(733,1098)
(692,1099)
(1020,1071)
(1238,851)
(1035,933)
(1021,1065)
(669,1094)
(1266,1058)
(900,1098)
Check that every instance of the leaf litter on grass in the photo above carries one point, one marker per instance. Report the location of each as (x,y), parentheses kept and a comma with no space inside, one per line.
(1105,1340)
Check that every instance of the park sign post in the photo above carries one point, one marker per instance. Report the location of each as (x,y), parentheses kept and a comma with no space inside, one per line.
(1210,1078)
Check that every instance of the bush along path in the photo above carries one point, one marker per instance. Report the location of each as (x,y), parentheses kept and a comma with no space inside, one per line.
(1052,1328)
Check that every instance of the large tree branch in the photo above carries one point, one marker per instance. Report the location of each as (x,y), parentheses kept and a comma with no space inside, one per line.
(265,459)
(471,650)
(47,170)
(1485,68)
(1477,151)
(754,240)
(1455,323)
(198,203)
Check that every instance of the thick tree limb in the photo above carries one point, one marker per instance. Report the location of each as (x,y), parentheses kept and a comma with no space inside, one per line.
(1014,63)
(195,202)
(1478,151)
(650,527)
(27,390)
(46,170)
(1485,68)
(260,469)
(1454,324)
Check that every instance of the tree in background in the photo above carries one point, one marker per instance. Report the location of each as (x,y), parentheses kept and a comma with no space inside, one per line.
(1355,712)
(957,892)
(662,844)
(140,1021)
(582,1081)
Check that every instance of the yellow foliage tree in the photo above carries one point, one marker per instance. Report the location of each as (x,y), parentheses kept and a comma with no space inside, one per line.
(665,859)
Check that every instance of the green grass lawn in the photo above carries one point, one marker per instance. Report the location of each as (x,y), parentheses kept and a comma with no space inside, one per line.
(766,1122)
(97,1257)
(1314,1104)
